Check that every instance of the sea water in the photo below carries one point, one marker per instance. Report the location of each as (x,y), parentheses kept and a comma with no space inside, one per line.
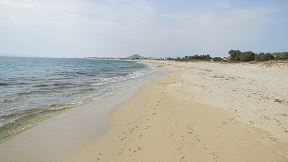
(32,89)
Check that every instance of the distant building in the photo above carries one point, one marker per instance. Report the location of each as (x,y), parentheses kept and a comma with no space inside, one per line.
(225,58)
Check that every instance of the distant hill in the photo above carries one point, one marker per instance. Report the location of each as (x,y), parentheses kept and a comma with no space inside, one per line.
(135,56)
(14,55)
(7,55)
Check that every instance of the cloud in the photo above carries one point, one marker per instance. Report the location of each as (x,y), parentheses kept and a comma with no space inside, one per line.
(112,28)
(15,4)
(213,32)
(224,4)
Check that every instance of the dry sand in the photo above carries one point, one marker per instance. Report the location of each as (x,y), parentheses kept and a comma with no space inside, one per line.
(200,112)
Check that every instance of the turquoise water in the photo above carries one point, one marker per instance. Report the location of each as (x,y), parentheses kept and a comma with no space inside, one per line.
(32,89)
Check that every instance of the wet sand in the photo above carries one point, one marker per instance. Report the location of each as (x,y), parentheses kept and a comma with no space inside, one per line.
(63,134)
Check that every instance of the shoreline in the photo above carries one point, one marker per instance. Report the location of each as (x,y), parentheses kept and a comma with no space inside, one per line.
(70,130)
(26,101)
(64,132)
(173,119)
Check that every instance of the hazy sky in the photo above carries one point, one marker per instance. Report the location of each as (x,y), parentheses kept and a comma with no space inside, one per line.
(112,28)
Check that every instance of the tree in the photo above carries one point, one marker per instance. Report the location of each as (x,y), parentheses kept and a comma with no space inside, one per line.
(247,56)
(234,55)
(281,56)
(264,57)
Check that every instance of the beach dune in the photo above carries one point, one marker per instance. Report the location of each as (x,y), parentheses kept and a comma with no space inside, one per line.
(200,112)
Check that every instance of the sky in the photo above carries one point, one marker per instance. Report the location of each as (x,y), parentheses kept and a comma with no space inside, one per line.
(151,28)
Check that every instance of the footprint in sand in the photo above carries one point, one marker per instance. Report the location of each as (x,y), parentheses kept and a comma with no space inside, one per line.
(138,149)
(147,127)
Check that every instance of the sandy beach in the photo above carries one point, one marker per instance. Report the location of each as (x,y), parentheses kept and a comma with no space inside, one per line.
(200,112)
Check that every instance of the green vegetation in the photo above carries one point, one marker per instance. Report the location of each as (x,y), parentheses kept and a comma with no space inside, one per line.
(264,57)
(194,57)
(218,59)
(206,57)
(281,56)
(237,56)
